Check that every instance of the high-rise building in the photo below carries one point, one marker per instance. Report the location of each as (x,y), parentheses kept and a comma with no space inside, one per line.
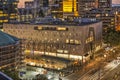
(45,3)
(56,8)
(99,9)
(65,8)
(33,9)
(40,6)
(25,15)
(116,9)
(8,10)
(70,8)
(105,5)
(108,19)
(87,5)
(10,51)
(41,3)
(107,16)
(29,4)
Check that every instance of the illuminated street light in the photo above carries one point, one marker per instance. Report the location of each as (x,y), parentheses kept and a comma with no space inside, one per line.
(105,55)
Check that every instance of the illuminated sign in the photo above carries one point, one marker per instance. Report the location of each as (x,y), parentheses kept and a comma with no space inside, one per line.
(51,28)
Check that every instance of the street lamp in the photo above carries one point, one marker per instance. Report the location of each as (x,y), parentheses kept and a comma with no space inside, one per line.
(105,56)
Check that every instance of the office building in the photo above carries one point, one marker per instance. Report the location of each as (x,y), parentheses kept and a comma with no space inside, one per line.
(108,20)
(107,15)
(87,5)
(116,9)
(70,8)
(105,5)
(10,51)
(56,8)
(29,4)
(40,6)
(41,3)
(33,9)
(8,11)
(25,15)
(101,10)
(65,8)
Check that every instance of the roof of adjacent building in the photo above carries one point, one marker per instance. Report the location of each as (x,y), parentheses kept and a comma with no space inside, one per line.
(4,77)
(57,21)
(6,39)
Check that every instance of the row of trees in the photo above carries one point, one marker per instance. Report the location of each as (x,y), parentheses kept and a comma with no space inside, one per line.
(112,37)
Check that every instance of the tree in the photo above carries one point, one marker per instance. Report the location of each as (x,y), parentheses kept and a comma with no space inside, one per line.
(41,14)
(112,37)
(41,77)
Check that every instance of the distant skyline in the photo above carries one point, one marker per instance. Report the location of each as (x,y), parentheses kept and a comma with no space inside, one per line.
(21,2)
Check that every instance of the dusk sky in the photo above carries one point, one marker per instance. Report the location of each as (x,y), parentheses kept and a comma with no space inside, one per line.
(21,4)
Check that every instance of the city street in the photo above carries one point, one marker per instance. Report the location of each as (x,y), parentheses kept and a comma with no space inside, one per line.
(100,73)
(86,69)
(96,67)
(113,75)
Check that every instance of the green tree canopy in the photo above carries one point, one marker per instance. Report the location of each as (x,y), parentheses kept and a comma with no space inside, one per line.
(112,37)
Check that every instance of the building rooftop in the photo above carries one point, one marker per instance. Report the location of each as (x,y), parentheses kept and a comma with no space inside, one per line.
(4,77)
(116,5)
(6,39)
(52,21)
(56,21)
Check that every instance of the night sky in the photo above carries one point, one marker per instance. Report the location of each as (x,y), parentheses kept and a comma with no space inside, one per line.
(21,4)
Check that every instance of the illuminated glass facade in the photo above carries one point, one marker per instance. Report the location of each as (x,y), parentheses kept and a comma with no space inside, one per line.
(65,8)
(70,6)
(8,10)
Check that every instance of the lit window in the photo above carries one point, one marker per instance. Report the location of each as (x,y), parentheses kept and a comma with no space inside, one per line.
(67,41)
(61,29)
